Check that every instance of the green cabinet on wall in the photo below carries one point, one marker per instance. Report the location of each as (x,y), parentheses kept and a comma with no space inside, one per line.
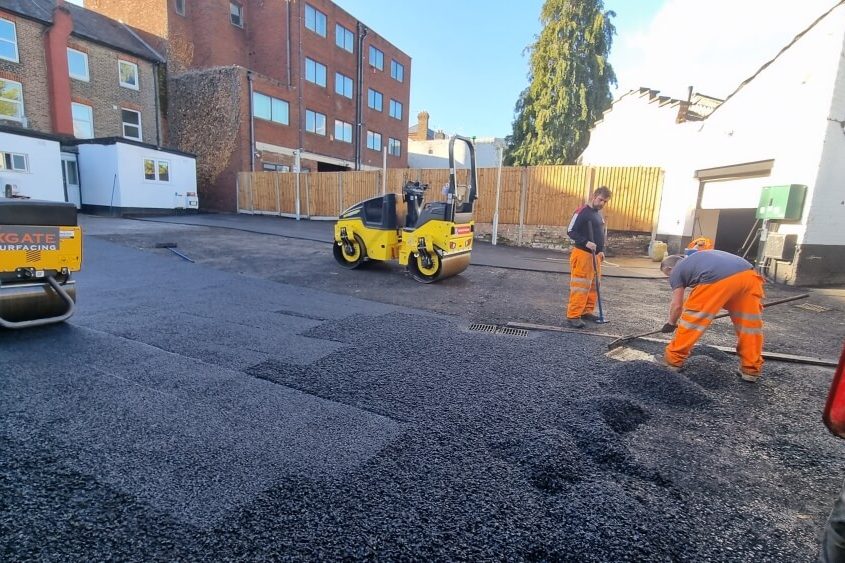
(785,203)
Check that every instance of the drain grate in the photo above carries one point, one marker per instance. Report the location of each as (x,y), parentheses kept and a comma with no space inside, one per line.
(813,307)
(493,329)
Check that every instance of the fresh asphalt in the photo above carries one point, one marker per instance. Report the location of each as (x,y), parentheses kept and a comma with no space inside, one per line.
(189,413)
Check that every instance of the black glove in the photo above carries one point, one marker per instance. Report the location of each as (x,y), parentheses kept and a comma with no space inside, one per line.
(668,327)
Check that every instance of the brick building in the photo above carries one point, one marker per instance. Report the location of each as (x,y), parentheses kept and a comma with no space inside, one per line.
(72,72)
(274,85)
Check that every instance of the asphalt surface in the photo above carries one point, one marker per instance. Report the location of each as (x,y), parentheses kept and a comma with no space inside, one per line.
(264,404)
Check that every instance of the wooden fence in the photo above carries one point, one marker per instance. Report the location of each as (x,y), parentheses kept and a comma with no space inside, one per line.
(537,195)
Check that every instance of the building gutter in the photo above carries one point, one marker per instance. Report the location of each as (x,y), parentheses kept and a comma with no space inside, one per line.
(251,124)
(359,70)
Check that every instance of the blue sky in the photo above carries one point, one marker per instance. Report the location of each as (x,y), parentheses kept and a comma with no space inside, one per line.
(468,65)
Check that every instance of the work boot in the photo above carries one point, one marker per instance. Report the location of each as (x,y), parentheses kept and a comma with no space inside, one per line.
(590,317)
(749,377)
(661,360)
(576,323)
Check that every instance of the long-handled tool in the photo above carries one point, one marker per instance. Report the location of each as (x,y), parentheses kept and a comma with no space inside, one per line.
(625,339)
(597,278)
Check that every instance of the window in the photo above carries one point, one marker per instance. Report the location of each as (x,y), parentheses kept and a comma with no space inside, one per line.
(376,58)
(315,122)
(11,100)
(8,41)
(315,20)
(374,99)
(373,141)
(343,85)
(77,64)
(236,14)
(156,170)
(315,72)
(180,7)
(271,109)
(342,131)
(270,167)
(343,38)
(15,162)
(127,74)
(395,109)
(131,124)
(394,147)
(83,121)
(397,71)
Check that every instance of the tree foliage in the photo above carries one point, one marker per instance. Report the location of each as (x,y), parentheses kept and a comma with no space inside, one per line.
(569,84)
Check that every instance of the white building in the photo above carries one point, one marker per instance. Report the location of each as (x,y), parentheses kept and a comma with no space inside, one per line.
(785,125)
(430,149)
(112,175)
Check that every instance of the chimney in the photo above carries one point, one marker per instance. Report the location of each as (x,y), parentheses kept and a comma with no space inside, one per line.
(55,43)
(422,126)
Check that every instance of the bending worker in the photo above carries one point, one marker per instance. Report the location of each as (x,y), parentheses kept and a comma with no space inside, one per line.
(720,280)
(587,233)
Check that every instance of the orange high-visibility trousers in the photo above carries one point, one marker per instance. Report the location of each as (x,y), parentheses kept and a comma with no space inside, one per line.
(741,295)
(582,283)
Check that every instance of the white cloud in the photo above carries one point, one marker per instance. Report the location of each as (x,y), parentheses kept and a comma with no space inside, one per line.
(712,46)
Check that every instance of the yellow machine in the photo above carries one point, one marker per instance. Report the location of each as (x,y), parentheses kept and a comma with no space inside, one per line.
(40,245)
(433,240)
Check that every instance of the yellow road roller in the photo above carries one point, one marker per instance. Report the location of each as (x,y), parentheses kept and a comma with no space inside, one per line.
(40,246)
(433,240)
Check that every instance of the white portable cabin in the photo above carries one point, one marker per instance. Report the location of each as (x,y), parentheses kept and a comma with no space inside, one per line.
(120,177)
(30,165)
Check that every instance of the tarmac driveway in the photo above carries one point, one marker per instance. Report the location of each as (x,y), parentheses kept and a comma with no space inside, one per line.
(262,403)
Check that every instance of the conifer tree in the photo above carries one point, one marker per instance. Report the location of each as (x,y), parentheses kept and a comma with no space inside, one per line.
(569,84)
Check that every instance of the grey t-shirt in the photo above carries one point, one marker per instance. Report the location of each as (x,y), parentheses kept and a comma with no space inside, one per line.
(706,266)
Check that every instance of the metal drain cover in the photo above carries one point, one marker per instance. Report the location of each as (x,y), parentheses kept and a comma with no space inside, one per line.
(494,329)
(813,307)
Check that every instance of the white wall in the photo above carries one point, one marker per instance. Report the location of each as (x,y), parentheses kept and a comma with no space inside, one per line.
(44,178)
(98,182)
(138,192)
(486,155)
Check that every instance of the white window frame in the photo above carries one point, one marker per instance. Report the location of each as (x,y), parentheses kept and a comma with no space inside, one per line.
(156,163)
(317,17)
(124,123)
(316,117)
(372,95)
(394,104)
(394,147)
(74,105)
(179,6)
(343,81)
(344,38)
(239,8)
(372,136)
(318,70)
(87,76)
(344,128)
(7,162)
(123,84)
(14,43)
(19,117)
(394,67)
(376,58)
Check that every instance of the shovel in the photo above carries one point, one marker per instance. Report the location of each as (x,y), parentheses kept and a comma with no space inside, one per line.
(597,277)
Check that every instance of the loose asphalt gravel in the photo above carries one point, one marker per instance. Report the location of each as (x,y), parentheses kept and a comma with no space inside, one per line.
(254,406)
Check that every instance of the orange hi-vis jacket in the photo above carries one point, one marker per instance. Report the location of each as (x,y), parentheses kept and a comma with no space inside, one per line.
(741,294)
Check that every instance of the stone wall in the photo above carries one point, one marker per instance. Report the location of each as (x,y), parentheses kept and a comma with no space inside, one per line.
(540,236)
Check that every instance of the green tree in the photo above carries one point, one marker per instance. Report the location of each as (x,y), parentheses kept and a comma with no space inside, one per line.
(569,84)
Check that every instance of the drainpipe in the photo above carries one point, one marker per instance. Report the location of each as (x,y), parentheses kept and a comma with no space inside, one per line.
(301,110)
(251,125)
(359,68)
(287,46)
(157,71)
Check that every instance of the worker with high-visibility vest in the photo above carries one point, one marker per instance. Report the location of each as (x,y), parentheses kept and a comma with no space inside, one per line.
(719,280)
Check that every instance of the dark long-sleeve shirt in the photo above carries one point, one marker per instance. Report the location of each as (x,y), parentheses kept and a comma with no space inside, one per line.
(579,230)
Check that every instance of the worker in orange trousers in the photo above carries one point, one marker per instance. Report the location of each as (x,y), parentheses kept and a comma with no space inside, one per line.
(586,229)
(719,280)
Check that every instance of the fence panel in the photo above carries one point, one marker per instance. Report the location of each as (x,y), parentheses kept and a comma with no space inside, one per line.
(540,195)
